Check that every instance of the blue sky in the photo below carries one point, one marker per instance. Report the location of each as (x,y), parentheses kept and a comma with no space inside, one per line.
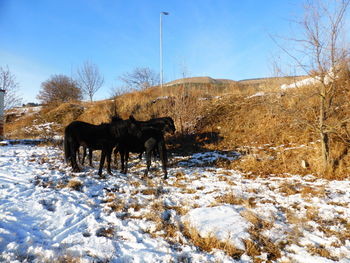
(221,39)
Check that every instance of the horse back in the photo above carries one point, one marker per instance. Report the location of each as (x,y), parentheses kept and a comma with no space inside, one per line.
(88,134)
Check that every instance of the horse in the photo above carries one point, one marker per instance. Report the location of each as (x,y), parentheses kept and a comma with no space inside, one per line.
(96,137)
(150,139)
(164,124)
(115,118)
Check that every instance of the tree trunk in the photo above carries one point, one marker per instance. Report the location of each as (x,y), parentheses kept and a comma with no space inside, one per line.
(325,144)
(325,151)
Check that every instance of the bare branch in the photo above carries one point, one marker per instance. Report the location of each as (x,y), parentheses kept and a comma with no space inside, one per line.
(89,79)
(10,85)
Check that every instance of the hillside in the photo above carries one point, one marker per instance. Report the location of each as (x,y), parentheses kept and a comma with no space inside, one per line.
(257,118)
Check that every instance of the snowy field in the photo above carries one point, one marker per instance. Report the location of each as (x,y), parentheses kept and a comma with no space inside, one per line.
(200,214)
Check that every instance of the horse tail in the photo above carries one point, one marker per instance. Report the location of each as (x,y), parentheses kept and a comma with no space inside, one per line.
(66,147)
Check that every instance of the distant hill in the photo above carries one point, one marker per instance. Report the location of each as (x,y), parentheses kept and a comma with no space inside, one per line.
(199,80)
(258,81)
(243,82)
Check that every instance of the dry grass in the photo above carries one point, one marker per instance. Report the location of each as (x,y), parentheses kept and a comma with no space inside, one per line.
(320,251)
(180,210)
(105,232)
(261,124)
(68,259)
(116,206)
(228,198)
(210,242)
(259,243)
(313,191)
(75,185)
(163,227)
(149,191)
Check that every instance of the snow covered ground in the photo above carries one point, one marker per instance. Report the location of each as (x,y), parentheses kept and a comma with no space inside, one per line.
(49,214)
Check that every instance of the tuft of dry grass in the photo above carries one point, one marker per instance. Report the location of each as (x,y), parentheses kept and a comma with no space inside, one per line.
(75,185)
(259,243)
(149,191)
(116,206)
(210,242)
(290,188)
(68,259)
(105,232)
(180,210)
(312,190)
(320,251)
(229,198)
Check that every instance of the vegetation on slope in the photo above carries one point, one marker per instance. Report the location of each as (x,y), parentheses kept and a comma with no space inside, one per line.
(261,122)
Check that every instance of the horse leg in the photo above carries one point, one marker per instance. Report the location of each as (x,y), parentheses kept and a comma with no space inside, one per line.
(149,148)
(148,160)
(78,155)
(126,161)
(109,158)
(90,157)
(115,157)
(163,157)
(121,153)
(102,161)
(74,149)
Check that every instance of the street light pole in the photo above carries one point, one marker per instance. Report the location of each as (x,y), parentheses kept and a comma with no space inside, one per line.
(161,48)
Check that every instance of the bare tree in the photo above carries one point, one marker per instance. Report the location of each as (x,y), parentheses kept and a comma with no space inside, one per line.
(324,57)
(10,85)
(89,79)
(140,78)
(59,88)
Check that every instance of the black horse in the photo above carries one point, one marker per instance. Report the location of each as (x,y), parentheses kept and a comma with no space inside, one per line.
(97,137)
(163,124)
(150,140)
(115,118)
